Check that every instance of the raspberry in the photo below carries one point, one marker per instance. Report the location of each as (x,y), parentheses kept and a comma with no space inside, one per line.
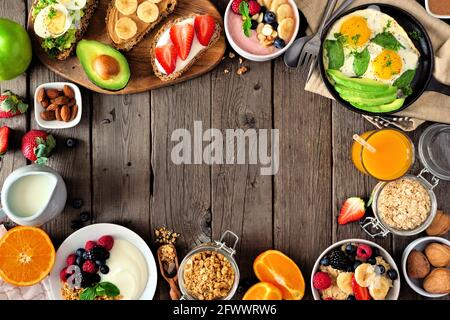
(63,275)
(89,266)
(321,281)
(89,245)
(71,259)
(106,242)
(328,298)
(364,252)
(235,6)
(254,7)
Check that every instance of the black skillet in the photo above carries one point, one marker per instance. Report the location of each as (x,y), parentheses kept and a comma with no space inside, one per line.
(423,80)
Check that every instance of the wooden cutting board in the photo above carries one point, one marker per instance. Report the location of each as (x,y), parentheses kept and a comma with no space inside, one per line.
(142,77)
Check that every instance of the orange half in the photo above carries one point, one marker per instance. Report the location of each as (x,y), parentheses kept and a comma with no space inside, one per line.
(27,256)
(263,291)
(278,269)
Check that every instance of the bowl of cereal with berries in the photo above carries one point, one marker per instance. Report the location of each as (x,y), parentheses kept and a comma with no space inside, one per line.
(355,269)
(261,30)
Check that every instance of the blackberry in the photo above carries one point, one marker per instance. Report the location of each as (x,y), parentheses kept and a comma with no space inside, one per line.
(338,260)
(98,253)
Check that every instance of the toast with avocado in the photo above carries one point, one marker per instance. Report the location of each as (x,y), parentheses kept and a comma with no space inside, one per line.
(128,21)
(180,43)
(60,27)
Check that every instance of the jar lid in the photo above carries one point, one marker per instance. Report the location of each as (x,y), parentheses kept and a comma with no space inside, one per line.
(434,150)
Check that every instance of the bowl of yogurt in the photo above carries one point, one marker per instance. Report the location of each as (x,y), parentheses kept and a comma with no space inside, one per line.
(261,30)
(130,262)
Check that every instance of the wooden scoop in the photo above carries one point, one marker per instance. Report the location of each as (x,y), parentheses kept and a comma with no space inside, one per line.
(172,278)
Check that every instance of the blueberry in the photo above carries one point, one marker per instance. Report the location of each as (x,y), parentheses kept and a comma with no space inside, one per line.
(106,255)
(325,261)
(71,143)
(85,216)
(375,252)
(104,269)
(274,26)
(100,262)
(263,9)
(356,264)
(351,258)
(380,269)
(371,260)
(351,298)
(279,43)
(350,249)
(270,17)
(79,261)
(80,252)
(77,203)
(392,274)
(254,24)
(95,278)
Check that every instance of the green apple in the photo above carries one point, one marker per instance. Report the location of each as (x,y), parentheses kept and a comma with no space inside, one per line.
(15,49)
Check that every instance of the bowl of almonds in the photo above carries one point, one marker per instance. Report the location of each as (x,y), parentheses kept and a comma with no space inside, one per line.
(57,105)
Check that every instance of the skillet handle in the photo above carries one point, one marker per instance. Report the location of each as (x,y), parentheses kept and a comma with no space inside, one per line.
(436,86)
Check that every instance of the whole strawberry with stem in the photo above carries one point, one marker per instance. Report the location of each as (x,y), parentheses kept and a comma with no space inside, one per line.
(11,105)
(37,146)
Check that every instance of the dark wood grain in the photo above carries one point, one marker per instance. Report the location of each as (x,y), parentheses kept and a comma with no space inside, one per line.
(142,78)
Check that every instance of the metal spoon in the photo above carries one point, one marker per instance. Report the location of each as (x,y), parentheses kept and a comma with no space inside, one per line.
(293,53)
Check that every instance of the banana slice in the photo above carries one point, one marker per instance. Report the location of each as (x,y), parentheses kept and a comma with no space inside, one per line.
(126,7)
(364,274)
(267,3)
(344,282)
(148,12)
(284,11)
(379,288)
(125,28)
(286,29)
(155,1)
(276,3)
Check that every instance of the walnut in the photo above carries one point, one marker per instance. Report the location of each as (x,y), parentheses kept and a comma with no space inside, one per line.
(438,254)
(438,281)
(440,224)
(417,265)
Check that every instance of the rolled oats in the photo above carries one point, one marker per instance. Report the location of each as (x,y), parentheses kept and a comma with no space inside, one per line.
(404,204)
(208,275)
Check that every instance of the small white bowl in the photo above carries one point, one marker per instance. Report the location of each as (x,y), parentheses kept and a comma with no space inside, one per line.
(427,6)
(420,244)
(56,124)
(255,57)
(393,292)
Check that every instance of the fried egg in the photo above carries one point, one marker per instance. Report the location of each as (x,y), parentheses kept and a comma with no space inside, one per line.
(73,4)
(356,30)
(52,21)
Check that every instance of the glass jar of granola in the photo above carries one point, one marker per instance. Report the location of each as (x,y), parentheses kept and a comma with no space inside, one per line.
(209,271)
(408,205)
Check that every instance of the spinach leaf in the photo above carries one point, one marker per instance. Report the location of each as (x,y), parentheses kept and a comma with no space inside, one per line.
(108,289)
(404,81)
(361,62)
(388,41)
(335,53)
(340,37)
(88,294)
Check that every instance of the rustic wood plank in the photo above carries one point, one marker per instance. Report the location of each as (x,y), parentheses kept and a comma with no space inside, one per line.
(14,159)
(180,194)
(302,190)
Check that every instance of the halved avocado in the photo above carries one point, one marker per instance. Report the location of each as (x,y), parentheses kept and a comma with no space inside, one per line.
(105,66)
(389,107)
(363,94)
(370,102)
(362,84)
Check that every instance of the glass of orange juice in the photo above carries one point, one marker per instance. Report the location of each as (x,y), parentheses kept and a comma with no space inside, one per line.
(392,158)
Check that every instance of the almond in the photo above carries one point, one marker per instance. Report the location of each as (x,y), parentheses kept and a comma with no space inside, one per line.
(61,100)
(65,113)
(71,102)
(52,107)
(58,114)
(52,93)
(74,112)
(45,103)
(48,115)
(68,92)
(41,95)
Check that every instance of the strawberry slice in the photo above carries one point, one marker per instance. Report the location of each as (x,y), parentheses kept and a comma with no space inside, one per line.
(359,292)
(167,57)
(353,209)
(182,36)
(204,28)
(4,139)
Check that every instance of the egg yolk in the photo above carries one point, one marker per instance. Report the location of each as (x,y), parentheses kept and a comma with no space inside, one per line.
(56,22)
(356,30)
(387,64)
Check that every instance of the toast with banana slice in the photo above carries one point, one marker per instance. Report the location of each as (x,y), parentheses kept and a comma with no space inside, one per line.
(128,21)
(180,43)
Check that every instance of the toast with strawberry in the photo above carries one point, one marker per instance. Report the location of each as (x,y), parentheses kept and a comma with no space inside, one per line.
(180,43)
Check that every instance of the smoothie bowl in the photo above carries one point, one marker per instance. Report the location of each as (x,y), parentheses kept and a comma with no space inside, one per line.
(261,30)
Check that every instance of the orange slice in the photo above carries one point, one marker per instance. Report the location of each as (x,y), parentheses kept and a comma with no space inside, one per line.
(278,269)
(27,256)
(263,291)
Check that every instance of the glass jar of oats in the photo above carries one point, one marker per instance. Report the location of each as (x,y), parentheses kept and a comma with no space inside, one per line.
(408,205)
(209,271)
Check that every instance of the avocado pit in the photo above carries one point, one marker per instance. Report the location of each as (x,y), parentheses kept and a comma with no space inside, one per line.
(106,66)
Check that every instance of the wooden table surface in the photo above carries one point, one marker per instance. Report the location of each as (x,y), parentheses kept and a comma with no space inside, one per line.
(122,169)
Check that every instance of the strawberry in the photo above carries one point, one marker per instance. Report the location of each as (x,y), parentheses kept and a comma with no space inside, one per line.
(204,28)
(353,209)
(235,6)
(4,139)
(37,146)
(182,36)
(167,57)
(359,292)
(11,105)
